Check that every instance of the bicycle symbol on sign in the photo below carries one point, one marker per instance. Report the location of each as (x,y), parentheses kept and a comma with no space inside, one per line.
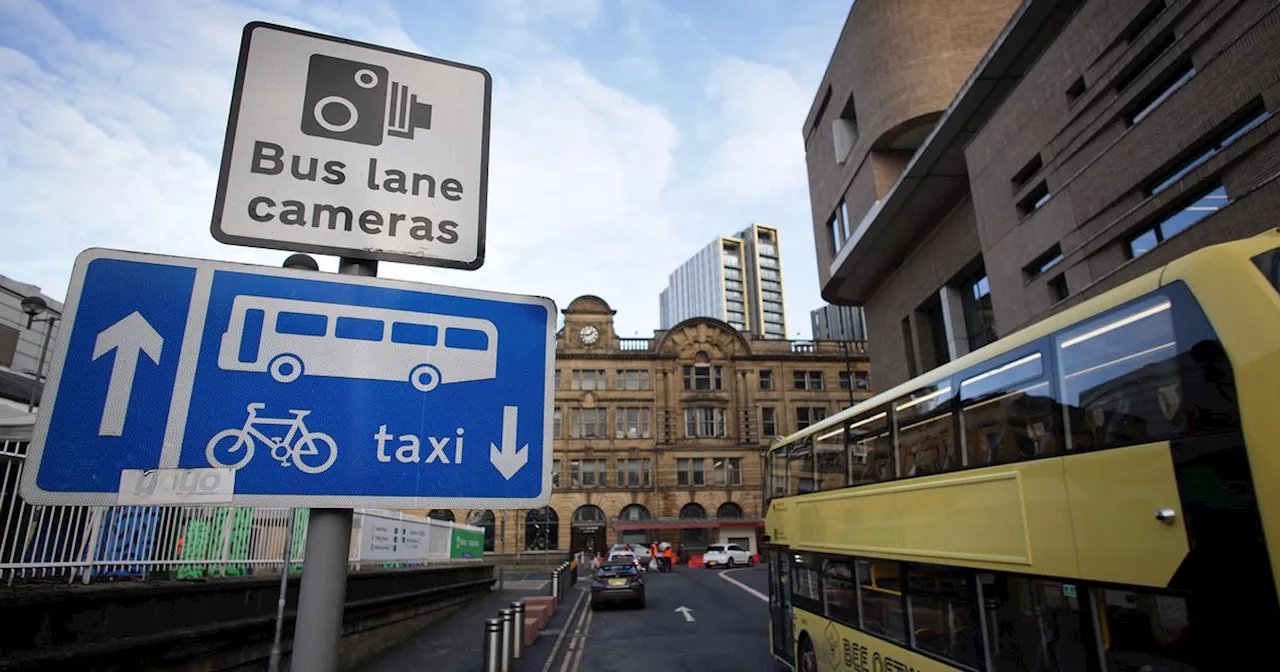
(298,443)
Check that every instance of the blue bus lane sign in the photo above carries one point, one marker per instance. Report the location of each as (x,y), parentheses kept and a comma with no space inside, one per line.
(191,381)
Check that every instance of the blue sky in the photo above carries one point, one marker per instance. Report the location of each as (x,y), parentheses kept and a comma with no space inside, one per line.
(625,134)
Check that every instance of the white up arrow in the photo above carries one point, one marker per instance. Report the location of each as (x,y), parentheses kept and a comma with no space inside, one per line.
(688,613)
(507,460)
(128,337)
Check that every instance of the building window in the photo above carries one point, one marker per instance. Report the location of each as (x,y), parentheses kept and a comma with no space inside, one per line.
(588,423)
(558,379)
(542,530)
(769,421)
(1249,120)
(1144,19)
(1058,288)
(1206,204)
(1168,86)
(808,380)
(1076,90)
(979,316)
(588,473)
(557,417)
(631,379)
(1143,61)
(844,130)
(589,379)
(633,423)
(634,472)
(689,472)
(766,379)
(726,471)
(704,422)
(861,381)
(837,232)
(1038,196)
(555,473)
(1043,263)
(1024,174)
(806,416)
(846,380)
(703,377)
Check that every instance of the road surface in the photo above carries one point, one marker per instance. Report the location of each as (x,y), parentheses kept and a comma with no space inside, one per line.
(723,626)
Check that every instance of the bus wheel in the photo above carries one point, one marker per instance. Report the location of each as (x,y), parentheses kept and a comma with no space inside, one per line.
(286,368)
(808,659)
(424,377)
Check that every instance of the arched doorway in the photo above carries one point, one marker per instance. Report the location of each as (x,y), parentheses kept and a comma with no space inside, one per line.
(729,511)
(542,530)
(588,530)
(630,514)
(442,514)
(694,539)
(484,518)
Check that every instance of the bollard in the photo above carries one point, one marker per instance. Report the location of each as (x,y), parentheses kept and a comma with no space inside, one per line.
(492,645)
(508,638)
(555,585)
(517,647)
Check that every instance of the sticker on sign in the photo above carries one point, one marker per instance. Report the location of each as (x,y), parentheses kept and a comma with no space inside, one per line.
(339,147)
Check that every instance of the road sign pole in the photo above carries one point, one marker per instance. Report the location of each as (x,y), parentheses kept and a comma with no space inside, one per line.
(317,638)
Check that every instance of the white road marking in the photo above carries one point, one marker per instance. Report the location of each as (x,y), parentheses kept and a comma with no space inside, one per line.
(749,589)
(688,613)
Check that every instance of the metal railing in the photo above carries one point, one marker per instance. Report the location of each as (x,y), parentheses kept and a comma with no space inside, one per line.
(42,544)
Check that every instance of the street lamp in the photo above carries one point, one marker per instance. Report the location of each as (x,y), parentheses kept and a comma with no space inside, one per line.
(33,306)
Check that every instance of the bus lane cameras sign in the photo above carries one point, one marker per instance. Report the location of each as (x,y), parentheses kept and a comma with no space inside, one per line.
(202,382)
(338,147)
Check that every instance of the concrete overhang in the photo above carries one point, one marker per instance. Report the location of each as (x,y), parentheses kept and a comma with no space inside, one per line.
(936,178)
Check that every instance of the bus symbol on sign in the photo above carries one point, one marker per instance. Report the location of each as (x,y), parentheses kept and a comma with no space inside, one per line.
(289,338)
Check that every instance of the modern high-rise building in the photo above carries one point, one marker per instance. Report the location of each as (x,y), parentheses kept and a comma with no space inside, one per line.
(839,323)
(737,279)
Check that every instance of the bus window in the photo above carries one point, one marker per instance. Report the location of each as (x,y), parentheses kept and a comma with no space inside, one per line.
(943,619)
(1033,624)
(925,441)
(829,452)
(800,468)
(1144,631)
(840,591)
(806,583)
(301,324)
(466,339)
(880,598)
(778,472)
(251,340)
(871,448)
(1008,413)
(358,329)
(414,334)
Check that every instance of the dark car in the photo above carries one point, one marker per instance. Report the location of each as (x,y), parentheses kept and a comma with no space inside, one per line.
(617,582)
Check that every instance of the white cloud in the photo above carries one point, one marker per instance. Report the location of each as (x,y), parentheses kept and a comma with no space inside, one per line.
(112,125)
(759,112)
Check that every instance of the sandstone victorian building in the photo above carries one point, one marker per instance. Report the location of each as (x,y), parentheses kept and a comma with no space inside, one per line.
(661,438)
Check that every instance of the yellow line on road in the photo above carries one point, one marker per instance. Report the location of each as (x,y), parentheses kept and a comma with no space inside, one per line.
(568,625)
(582,645)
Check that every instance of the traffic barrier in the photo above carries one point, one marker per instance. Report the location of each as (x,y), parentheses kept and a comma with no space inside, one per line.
(508,639)
(492,645)
(518,623)
(695,561)
(545,601)
(531,628)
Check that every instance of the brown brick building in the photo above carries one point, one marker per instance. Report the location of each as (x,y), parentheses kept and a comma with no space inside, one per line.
(662,437)
(1043,153)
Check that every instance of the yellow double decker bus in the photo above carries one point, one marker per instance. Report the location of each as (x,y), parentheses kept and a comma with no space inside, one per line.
(1098,492)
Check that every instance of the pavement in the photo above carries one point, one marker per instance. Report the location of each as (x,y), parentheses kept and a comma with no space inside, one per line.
(700,620)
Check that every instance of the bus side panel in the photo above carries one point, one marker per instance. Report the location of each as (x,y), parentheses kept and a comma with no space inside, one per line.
(1114,497)
(841,648)
(1004,517)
